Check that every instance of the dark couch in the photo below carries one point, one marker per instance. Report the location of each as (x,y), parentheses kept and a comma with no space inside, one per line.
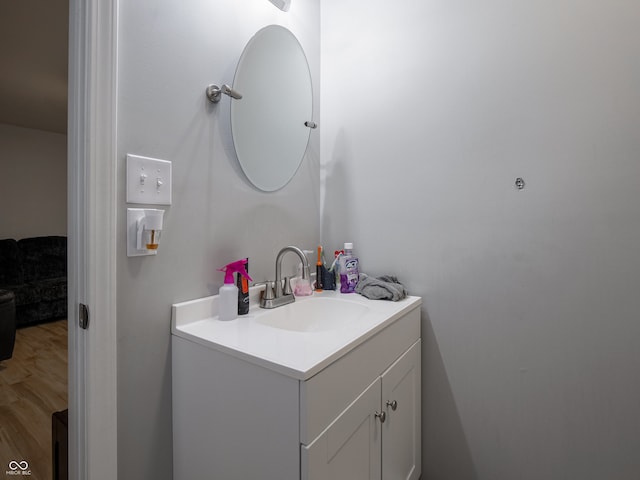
(35,270)
(7,324)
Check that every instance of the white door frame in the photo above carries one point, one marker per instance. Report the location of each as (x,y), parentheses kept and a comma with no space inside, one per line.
(92,238)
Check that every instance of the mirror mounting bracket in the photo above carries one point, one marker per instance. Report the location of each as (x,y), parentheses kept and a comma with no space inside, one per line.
(214,92)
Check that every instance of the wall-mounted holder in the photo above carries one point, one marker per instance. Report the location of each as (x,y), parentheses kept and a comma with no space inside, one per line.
(282,4)
(214,93)
(144,226)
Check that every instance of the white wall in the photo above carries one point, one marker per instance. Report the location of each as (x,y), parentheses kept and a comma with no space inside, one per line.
(430,110)
(33,182)
(168,53)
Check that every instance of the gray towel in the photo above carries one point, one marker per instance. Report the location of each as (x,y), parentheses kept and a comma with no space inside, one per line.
(386,287)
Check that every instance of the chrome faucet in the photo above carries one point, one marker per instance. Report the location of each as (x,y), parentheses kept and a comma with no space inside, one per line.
(275,295)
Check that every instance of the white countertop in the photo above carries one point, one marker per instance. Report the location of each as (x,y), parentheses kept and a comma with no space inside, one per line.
(293,353)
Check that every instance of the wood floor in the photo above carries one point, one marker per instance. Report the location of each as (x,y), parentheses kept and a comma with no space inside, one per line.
(33,385)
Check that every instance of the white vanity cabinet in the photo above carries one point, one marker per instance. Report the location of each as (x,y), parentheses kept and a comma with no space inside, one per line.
(239,417)
(378,435)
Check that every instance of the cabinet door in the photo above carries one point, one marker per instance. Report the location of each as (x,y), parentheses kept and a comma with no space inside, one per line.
(349,449)
(401,443)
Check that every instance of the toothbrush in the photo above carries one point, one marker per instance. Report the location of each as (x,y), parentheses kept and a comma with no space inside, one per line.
(319,285)
(337,254)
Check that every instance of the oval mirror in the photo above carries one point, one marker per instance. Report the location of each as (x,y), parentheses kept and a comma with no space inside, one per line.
(268,124)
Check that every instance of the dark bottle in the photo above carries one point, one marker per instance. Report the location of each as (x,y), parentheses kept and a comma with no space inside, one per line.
(243,291)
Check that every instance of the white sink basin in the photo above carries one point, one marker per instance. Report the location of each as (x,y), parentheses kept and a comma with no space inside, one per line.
(316,314)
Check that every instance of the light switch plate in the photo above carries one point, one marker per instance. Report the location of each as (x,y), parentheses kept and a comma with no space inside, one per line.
(148,180)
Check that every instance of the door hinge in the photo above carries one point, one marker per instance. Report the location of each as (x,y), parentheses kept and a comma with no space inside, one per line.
(84,316)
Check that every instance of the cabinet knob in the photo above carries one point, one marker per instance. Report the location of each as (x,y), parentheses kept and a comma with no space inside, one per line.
(393,404)
(382,416)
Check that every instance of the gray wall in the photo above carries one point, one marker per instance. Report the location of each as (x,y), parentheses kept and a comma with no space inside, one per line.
(33,182)
(168,53)
(431,109)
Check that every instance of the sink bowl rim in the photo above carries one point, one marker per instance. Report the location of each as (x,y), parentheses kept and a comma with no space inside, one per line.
(290,318)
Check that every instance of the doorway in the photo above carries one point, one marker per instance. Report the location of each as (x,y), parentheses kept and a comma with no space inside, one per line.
(91,183)
(33,195)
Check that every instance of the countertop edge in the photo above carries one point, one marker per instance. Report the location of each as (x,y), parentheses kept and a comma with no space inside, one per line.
(197,310)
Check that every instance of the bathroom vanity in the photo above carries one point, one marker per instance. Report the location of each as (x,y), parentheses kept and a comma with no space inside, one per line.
(327,387)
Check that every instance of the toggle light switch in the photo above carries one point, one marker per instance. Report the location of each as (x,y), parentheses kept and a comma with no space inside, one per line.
(141,187)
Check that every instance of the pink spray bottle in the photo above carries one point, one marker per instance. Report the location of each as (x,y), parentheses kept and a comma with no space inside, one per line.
(228,299)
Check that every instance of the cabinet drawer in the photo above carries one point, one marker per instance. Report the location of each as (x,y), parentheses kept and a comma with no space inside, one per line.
(327,394)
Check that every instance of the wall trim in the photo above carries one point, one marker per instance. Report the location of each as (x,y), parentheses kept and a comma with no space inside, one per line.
(92,238)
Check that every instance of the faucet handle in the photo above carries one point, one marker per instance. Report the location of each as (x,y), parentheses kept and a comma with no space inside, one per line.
(267,293)
(268,290)
(287,286)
